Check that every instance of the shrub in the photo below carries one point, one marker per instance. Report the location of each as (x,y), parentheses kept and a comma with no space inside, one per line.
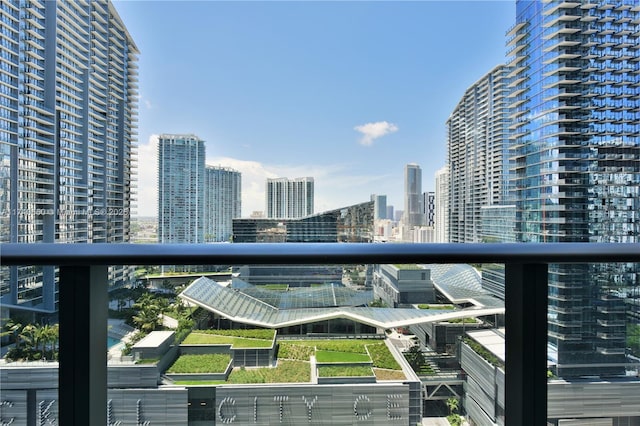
(484,353)
(454,420)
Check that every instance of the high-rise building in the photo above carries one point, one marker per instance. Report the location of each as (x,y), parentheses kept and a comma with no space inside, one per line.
(477,154)
(223,203)
(442,205)
(68,79)
(413,215)
(380,206)
(289,198)
(181,194)
(576,116)
(390,214)
(429,208)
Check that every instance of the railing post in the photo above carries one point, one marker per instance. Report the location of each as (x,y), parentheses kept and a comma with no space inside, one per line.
(526,287)
(83,345)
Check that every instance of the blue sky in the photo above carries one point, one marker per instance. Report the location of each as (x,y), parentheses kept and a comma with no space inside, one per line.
(345,92)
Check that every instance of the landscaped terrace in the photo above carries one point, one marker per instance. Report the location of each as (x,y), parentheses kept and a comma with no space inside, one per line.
(295,362)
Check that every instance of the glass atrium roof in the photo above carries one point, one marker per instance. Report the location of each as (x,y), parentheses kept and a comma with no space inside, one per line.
(322,296)
(252,306)
(462,284)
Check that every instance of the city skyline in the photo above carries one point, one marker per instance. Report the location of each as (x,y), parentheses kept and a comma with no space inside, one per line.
(276,95)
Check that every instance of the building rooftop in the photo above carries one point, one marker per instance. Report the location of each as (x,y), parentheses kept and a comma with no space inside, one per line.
(492,340)
(462,284)
(245,308)
(154,339)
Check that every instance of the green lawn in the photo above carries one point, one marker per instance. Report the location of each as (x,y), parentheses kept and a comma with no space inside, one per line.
(332,356)
(196,338)
(346,345)
(373,350)
(285,372)
(381,356)
(206,363)
(344,371)
(289,350)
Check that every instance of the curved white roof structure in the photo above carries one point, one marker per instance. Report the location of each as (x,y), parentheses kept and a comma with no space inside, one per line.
(238,306)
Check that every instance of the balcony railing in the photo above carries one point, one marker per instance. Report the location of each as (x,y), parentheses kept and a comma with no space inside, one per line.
(84,301)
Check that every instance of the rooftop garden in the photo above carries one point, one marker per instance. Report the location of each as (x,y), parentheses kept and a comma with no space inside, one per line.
(285,372)
(344,371)
(484,353)
(205,363)
(345,351)
(294,356)
(462,321)
(252,338)
(333,356)
(442,307)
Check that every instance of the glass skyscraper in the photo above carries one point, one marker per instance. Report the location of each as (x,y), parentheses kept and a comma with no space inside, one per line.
(576,111)
(181,194)
(68,113)
(223,203)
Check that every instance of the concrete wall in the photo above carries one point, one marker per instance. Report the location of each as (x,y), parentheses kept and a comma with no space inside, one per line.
(379,404)
(614,402)
(29,395)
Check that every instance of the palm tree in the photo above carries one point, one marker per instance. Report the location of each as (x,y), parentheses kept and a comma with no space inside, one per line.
(452,404)
(415,358)
(13,329)
(55,336)
(30,338)
(49,337)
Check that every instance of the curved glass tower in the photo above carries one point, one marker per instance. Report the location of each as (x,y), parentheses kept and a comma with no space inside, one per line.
(575,99)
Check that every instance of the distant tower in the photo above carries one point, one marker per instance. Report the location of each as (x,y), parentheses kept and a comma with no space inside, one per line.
(442,205)
(222,188)
(380,206)
(413,215)
(181,201)
(289,198)
(390,214)
(429,207)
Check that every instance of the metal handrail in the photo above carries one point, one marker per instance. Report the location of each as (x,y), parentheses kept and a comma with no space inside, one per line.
(313,253)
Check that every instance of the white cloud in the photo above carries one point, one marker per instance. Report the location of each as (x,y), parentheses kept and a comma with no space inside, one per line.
(372,131)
